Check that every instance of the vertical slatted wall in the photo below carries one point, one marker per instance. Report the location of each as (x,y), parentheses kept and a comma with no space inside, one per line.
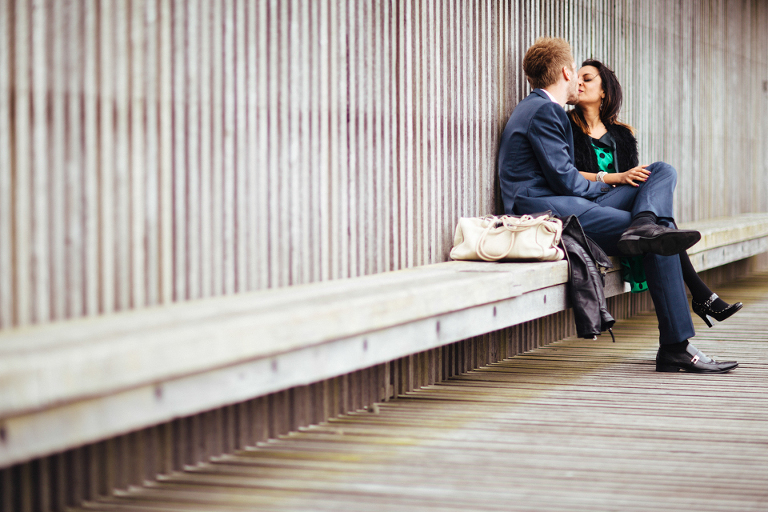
(156,151)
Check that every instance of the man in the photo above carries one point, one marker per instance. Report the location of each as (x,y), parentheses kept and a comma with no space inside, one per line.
(536,174)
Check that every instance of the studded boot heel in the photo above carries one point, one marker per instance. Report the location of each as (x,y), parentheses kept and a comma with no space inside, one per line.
(705,311)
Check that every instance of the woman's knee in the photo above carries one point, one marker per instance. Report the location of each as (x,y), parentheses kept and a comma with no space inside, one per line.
(662,170)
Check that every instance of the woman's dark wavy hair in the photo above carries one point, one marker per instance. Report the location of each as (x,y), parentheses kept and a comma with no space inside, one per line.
(609,110)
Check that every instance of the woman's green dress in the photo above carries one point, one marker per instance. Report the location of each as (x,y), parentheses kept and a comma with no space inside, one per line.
(632,270)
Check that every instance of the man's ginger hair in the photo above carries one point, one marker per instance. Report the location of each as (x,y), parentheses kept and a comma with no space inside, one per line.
(545,59)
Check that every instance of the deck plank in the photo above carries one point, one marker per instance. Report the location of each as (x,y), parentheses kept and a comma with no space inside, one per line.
(577,425)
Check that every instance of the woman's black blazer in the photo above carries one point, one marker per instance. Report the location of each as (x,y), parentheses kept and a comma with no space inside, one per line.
(625,155)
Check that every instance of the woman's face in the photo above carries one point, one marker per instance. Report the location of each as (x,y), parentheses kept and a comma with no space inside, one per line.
(590,86)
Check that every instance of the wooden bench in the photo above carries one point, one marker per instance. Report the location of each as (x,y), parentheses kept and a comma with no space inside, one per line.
(71,383)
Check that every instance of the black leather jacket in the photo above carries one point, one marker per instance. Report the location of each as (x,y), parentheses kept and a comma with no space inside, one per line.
(586,281)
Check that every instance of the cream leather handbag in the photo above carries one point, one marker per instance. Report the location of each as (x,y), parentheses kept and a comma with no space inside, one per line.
(508,238)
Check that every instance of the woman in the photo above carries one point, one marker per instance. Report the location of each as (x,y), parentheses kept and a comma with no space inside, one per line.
(606,150)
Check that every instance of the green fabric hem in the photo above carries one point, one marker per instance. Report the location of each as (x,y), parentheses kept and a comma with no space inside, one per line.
(633,272)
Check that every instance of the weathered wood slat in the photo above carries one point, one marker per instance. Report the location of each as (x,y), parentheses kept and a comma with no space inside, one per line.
(7,289)
(22,314)
(107,153)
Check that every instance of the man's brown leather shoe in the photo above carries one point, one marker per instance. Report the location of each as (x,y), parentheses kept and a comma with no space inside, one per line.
(656,239)
(692,360)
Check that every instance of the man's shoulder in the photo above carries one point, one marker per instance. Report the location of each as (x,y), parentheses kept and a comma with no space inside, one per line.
(535,99)
(546,113)
(551,109)
(535,105)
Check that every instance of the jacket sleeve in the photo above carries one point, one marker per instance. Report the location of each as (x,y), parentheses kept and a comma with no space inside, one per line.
(585,159)
(548,137)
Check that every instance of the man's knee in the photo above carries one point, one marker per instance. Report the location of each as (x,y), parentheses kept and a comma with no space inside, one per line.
(657,194)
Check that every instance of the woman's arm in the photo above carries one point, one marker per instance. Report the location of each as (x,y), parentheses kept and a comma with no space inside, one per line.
(636,174)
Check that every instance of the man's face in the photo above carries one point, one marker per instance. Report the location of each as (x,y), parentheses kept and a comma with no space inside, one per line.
(573,86)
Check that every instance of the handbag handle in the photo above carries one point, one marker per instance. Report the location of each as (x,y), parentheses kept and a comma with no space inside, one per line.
(513,228)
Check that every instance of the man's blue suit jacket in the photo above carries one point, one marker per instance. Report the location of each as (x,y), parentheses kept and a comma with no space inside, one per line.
(536,170)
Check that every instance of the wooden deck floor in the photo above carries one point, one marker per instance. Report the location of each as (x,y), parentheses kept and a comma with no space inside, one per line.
(578,425)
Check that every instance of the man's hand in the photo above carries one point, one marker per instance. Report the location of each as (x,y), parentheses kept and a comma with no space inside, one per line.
(633,177)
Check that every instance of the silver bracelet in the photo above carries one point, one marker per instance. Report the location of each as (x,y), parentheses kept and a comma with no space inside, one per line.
(600,176)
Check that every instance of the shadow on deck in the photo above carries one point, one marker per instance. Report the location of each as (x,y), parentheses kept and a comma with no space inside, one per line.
(577,425)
